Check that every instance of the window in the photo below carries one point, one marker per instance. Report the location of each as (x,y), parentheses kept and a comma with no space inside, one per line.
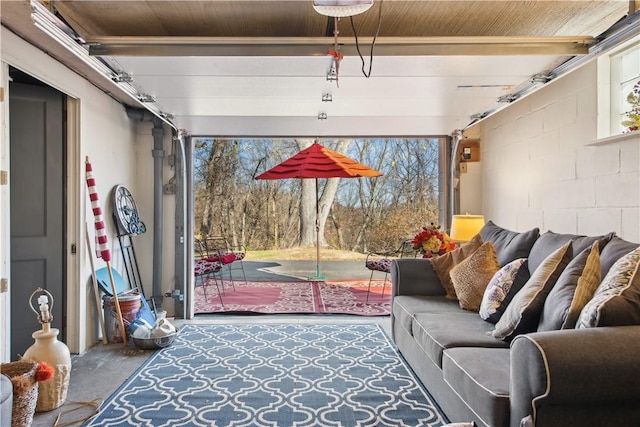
(625,73)
(618,72)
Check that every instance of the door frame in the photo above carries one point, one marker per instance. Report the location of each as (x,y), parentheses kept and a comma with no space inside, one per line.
(76,336)
(5,225)
(74,179)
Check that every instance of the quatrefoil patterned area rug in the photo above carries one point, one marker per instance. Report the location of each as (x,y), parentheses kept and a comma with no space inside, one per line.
(273,375)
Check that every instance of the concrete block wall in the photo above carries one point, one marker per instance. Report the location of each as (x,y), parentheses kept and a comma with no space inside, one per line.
(542,165)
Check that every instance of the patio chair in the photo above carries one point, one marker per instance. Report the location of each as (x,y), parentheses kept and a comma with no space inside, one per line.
(227,254)
(205,269)
(382,261)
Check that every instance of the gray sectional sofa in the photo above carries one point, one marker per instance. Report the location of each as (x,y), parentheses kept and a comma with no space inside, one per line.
(569,377)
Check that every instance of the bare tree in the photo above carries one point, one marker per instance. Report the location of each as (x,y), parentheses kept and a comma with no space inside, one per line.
(357,214)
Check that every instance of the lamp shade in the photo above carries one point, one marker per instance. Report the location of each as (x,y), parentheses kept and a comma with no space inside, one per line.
(341,8)
(464,227)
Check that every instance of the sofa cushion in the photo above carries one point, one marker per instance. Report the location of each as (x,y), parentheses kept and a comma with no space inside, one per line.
(523,313)
(501,289)
(509,244)
(572,291)
(436,332)
(471,277)
(480,376)
(550,241)
(405,306)
(615,249)
(443,264)
(617,299)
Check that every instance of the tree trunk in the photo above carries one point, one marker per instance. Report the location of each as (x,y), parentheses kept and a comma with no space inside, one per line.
(308,201)
(339,232)
(308,213)
(329,194)
(307,204)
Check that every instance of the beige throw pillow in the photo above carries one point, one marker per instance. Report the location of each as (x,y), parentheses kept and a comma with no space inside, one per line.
(617,298)
(443,264)
(586,288)
(471,277)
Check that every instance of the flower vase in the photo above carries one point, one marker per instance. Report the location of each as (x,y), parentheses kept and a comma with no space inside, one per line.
(47,348)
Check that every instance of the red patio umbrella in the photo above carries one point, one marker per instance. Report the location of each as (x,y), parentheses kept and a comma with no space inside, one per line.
(103,244)
(316,162)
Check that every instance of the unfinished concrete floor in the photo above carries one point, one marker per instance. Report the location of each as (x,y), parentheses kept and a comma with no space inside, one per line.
(98,372)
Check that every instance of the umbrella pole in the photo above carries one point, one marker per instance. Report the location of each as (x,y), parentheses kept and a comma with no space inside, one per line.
(96,292)
(318,276)
(123,330)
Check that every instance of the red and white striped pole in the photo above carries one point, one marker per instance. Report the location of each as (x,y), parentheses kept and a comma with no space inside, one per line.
(103,244)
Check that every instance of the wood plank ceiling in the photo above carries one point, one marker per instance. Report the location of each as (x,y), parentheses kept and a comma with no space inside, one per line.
(93,19)
(259,67)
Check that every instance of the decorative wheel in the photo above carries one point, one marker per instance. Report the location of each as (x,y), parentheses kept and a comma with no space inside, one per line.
(126,211)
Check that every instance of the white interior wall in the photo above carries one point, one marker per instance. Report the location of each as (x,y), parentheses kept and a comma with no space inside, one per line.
(107,137)
(471,189)
(105,134)
(540,167)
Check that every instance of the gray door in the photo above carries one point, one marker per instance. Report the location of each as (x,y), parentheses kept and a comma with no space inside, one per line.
(37,207)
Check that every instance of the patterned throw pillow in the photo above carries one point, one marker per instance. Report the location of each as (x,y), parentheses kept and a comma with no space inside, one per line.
(499,287)
(443,264)
(616,300)
(523,313)
(471,276)
(572,291)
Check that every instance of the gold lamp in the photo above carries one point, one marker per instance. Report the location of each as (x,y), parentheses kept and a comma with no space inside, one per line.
(464,227)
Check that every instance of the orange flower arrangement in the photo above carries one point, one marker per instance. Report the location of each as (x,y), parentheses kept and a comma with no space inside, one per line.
(432,242)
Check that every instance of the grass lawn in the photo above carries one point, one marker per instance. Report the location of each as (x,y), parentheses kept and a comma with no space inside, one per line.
(304,253)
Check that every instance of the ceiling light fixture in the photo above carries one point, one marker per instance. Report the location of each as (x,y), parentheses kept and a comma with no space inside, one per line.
(341,8)
(327,97)
(322,116)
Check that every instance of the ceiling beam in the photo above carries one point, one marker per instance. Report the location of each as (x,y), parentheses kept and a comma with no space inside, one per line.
(303,46)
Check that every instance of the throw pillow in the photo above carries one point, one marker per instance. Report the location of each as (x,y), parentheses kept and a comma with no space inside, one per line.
(584,270)
(617,299)
(443,264)
(550,241)
(499,287)
(471,276)
(510,245)
(587,285)
(523,313)
(615,249)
